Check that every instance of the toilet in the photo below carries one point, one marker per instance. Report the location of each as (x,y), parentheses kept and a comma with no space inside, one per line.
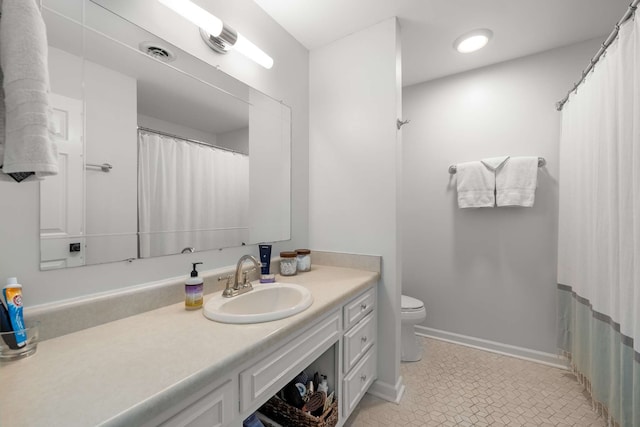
(412,313)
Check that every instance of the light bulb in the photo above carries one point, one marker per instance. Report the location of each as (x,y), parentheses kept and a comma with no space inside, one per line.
(195,14)
(472,41)
(250,50)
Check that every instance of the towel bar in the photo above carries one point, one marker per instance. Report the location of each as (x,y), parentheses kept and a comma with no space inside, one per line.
(541,162)
(106,167)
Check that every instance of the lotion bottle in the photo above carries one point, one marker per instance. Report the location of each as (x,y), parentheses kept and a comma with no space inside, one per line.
(193,290)
(323,387)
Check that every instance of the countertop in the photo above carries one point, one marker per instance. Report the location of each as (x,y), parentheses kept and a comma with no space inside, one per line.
(122,372)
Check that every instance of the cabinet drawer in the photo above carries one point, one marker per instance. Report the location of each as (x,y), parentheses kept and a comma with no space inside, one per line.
(358,381)
(215,408)
(359,307)
(358,340)
(268,375)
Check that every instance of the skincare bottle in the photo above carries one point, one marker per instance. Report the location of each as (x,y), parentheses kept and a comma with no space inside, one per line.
(265,259)
(193,289)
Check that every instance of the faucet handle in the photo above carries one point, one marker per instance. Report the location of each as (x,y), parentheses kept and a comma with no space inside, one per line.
(227,278)
(228,290)
(245,275)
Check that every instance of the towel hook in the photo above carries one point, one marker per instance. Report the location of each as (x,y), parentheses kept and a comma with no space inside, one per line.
(400,123)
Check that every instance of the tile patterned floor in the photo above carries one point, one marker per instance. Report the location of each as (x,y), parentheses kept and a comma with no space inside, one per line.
(460,386)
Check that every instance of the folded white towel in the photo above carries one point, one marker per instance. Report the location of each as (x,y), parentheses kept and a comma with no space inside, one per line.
(28,145)
(494,163)
(476,185)
(516,182)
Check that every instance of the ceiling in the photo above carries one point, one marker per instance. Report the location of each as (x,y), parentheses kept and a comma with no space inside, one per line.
(429,27)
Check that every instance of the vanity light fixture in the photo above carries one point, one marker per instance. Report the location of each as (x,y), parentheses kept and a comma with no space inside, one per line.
(218,36)
(473,40)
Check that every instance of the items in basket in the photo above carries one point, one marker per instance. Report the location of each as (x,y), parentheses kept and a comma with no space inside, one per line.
(308,395)
(286,415)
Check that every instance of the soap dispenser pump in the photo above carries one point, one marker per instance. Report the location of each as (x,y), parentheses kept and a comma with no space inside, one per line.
(193,290)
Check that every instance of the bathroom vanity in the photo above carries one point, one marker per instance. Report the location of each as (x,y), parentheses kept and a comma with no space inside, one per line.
(176,368)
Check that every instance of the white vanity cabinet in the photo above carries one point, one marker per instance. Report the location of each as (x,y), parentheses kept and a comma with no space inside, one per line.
(349,329)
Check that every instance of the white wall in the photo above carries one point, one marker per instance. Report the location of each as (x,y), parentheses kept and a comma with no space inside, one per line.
(269,172)
(287,80)
(354,99)
(486,273)
(237,140)
(111,201)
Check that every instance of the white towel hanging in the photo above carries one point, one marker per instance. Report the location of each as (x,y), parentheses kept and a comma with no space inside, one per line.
(28,146)
(516,182)
(476,185)
(495,163)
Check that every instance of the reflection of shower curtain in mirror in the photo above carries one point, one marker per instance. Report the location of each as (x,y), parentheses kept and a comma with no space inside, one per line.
(190,195)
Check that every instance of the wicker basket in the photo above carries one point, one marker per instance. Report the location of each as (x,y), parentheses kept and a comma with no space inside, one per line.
(290,416)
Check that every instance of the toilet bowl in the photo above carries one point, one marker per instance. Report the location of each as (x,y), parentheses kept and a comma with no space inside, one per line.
(412,312)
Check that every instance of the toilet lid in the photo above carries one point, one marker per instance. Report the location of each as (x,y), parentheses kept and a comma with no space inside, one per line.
(410,303)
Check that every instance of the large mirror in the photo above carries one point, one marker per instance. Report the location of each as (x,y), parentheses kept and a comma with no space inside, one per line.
(159,152)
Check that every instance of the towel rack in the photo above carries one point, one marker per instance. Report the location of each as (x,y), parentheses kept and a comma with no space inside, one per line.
(541,162)
(106,167)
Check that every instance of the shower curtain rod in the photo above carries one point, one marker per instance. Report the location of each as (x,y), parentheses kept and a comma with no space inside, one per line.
(189,140)
(603,48)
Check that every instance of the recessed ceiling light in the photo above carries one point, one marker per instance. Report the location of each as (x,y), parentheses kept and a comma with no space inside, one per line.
(473,40)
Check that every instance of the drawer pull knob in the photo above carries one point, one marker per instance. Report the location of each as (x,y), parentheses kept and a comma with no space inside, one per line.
(363,377)
(364,338)
(363,307)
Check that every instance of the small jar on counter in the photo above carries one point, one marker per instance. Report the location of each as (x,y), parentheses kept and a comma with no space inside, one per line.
(288,263)
(304,259)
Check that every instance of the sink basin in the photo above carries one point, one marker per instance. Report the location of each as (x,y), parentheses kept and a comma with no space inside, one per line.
(266,302)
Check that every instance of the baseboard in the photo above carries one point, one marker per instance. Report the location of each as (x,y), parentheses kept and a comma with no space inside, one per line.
(386,391)
(549,359)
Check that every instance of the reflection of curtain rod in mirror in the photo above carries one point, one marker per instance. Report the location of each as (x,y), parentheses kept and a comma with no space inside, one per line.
(218,36)
(195,141)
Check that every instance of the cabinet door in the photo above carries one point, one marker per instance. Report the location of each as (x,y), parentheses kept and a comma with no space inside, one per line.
(259,382)
(358,341)
(358,381)
(359,307)
(216,408)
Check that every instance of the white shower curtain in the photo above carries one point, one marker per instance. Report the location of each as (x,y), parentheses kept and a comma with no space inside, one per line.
(599,229)
(190,195)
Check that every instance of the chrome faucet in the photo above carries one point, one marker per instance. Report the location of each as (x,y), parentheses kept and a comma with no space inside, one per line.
(240,282)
